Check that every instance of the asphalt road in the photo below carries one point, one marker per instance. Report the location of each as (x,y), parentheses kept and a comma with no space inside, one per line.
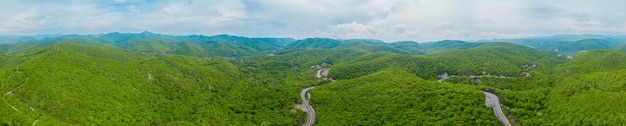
(497,109)
(311,117)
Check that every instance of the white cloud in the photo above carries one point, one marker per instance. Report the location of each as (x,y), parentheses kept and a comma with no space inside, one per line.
(353,30)
(483,19)
(392,20)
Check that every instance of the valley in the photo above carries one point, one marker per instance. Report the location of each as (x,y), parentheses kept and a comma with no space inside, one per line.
(154,79)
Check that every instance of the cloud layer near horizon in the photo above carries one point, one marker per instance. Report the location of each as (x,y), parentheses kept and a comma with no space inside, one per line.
(390,20)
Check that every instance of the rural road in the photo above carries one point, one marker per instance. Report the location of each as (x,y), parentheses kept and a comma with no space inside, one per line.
(311,117)
(495,102)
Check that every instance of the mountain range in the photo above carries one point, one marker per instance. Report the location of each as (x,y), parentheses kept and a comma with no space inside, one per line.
(154,79)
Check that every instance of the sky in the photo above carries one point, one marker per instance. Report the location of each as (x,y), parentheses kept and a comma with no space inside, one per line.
(388,20)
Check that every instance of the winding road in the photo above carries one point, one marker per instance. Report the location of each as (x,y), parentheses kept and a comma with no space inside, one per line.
(311,117)
(495,103)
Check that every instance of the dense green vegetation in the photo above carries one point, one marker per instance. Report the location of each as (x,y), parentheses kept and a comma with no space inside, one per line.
(585,44)
(448,45)
(583,91)
(396,97)
(152,79)
(589,90)
(403,47)
(569,44)
(76,87)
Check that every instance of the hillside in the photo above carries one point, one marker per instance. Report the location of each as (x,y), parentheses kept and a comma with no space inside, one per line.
(620,49)
(157,44)
(540,41)
(153,79)
(175,89)
(491,58)
(448,45)
(12,39)
(568,44)
(404,47)
(395,97)
(195,45)
(596,61)
(575,46)
(588,90)
(321,43)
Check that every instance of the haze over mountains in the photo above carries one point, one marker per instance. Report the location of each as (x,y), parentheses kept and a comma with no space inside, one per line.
(154,79)
(562,43)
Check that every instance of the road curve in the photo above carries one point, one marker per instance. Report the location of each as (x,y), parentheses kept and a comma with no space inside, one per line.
(495,103)
(311,117)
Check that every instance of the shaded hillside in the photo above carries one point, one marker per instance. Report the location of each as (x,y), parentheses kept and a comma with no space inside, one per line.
(620,49)
(322,43)
(195,45)
(13,48)
(396,47)
(157,44)
(410,45)
(448,45)
(575,46)
(8,39)
(406,47)
(536,42)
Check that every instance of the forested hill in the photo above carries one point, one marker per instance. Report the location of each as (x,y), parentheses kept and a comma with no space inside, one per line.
(157,44)
(585,44)
(154,79)
(449,44)
(402,47)
(236,46)
(568,44)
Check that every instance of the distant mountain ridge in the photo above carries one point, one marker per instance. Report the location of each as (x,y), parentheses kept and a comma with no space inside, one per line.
(227,45)
(158,44)
(568,43)
(585,44)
